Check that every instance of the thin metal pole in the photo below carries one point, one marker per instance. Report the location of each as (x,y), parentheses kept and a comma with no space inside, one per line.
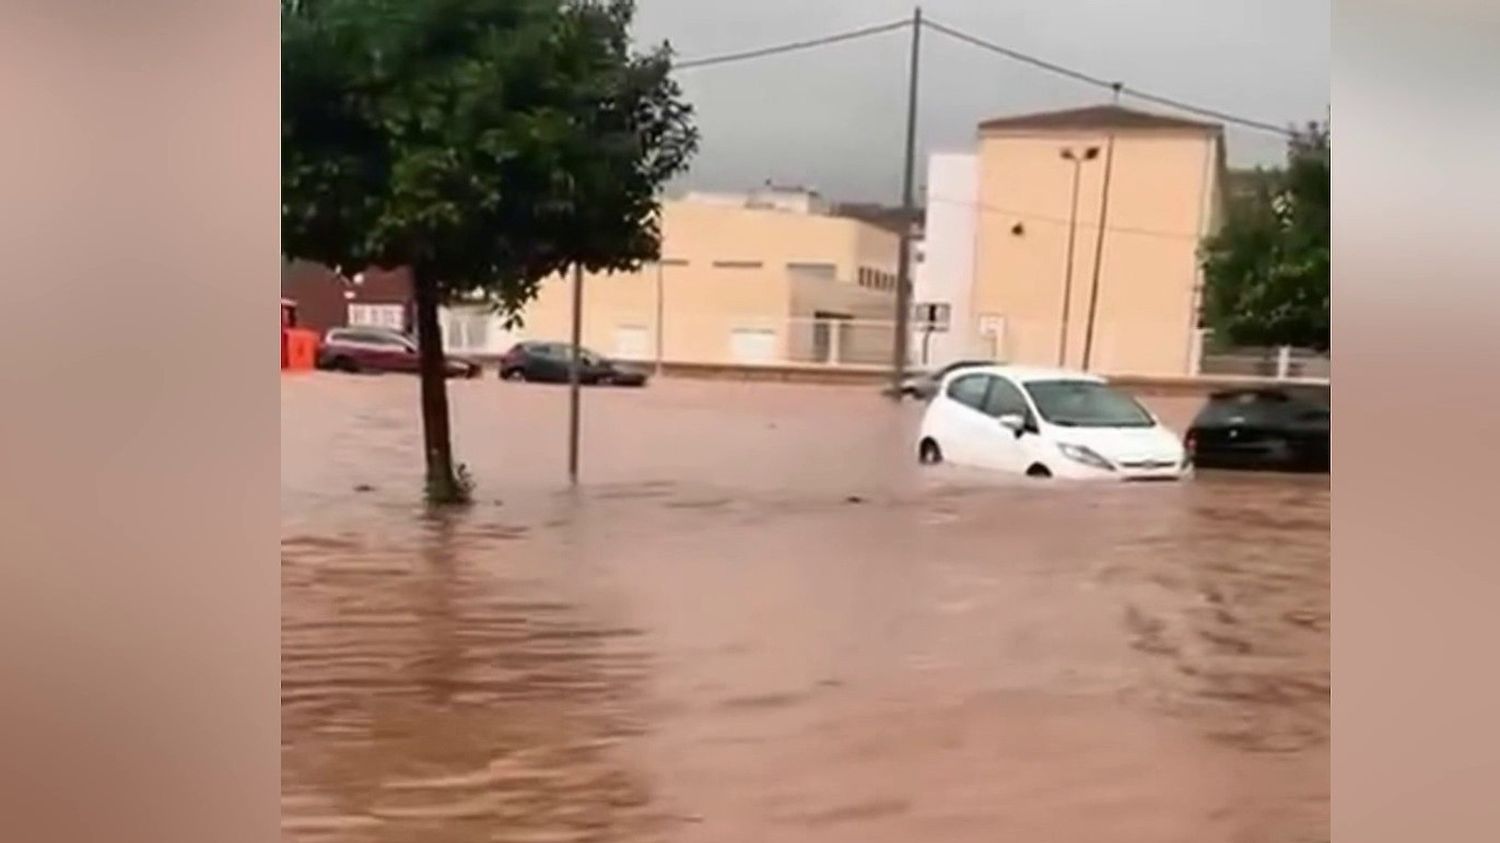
(574,366)
(1109,162)
(1062,336)
(659,330)
(903,268)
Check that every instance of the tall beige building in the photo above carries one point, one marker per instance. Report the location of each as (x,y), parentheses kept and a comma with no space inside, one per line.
(766,277)
(1020,300)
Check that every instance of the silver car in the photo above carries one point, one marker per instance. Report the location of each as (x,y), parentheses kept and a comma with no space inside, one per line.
(924,385)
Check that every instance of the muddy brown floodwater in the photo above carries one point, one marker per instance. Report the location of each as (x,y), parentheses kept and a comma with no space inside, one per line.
(759,620)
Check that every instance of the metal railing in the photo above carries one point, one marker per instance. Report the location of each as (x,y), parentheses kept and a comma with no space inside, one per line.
(828,341)
(1280,362)
(838,341)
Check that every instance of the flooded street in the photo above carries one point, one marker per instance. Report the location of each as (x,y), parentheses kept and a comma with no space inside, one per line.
(759,619)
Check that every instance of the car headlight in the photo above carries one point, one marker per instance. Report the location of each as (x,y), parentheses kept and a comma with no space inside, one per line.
(1087,456)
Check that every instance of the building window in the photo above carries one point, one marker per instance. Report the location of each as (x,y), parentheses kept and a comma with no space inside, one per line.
(632,342)
(820,270)
(876,279)
(391,316)
(752,345)
(738,264)
(466,330)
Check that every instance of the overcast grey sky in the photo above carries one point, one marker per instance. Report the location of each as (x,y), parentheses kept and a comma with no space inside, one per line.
(832,118)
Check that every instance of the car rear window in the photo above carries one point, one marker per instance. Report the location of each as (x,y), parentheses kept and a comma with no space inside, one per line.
(1263,407)
(356,335)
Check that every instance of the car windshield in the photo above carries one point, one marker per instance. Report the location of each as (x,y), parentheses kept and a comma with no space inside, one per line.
(1071,403)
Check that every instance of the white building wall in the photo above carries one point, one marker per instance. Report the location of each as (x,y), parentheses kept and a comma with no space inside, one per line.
(946,273)
(471,329)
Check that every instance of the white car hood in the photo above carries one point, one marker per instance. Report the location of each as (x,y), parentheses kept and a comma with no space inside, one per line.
(1125,444)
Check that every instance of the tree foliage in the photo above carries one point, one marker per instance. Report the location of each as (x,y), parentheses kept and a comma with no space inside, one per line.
(486,144)
(483,144)
(1267,269)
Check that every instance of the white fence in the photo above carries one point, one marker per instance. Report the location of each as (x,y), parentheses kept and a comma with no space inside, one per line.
(1280,362)
(719,338)
(839,341)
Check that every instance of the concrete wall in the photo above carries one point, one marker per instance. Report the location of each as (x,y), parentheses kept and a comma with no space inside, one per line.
(1163,188)
(946,273)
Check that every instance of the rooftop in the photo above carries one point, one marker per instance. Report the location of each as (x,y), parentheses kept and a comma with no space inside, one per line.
(769,196)
(1096,117)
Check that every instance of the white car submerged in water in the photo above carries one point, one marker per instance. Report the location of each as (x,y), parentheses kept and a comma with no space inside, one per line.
(1047,423)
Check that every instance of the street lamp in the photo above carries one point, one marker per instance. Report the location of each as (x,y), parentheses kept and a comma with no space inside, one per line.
(1076,159)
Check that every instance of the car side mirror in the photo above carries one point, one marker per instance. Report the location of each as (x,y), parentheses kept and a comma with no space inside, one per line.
(1014,423)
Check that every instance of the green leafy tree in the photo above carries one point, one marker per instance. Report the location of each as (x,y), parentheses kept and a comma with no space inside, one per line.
(482,144)
(1266,270)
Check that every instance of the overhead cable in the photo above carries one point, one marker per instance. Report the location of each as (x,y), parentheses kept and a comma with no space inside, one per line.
(1097,81)
(763,52)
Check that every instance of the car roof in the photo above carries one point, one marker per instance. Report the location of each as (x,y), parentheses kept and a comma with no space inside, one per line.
(1025,374)
(347,330)
(1303,392)
(964,364)
(373,329)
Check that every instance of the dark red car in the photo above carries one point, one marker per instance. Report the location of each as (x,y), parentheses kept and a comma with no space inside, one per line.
(368,349)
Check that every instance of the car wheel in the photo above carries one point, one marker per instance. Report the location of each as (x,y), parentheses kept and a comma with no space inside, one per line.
(928,453)
(513,374)
(344,364)
(1038,470)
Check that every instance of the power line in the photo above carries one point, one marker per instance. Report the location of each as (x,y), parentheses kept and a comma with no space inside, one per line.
(1097,81)
(986,208)
(1116,87)
(1206,112)
(793,46)
(1077,75)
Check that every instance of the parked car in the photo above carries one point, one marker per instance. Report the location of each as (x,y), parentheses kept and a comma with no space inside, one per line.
(1046,423)
(1281,427)
(370,349)
(924,385)
(549,362)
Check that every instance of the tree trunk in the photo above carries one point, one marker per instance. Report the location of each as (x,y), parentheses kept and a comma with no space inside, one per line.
(442,484)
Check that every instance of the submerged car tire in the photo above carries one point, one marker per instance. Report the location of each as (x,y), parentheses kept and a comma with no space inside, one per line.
(344,364)
(1038,470)
(929,452)
(513,374)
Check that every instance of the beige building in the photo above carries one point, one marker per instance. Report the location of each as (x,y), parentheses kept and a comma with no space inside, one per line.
(1018,299)
(755,278)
